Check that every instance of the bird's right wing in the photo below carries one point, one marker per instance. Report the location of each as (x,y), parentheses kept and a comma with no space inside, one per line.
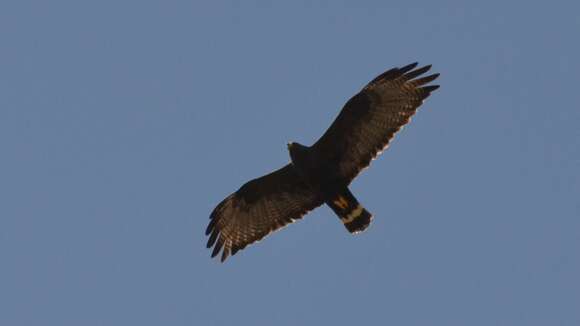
(259,207)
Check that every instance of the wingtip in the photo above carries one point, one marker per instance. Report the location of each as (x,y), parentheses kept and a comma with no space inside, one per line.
(212,239)
(225,255)
(431,88)
(408,67)
(427,68)
(210,227)
(217,248)
(214,252)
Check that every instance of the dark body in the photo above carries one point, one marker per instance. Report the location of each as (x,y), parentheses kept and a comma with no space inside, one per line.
(319,166)
(318,172)
(321,173)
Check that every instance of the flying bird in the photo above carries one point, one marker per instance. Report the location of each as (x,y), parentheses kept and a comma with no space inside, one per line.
(321,173)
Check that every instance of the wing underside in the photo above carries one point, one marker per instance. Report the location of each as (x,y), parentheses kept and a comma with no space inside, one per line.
(257,209)
(371,118)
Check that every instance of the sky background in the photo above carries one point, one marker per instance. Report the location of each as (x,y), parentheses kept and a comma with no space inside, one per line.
(123,124)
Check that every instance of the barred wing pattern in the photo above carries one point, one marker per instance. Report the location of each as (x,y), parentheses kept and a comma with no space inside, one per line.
(370,119)
(258,208)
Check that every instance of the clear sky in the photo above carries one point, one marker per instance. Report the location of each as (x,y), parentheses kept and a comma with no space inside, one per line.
(123,123)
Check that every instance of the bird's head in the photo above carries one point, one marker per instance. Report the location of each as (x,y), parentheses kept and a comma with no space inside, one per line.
(297,151)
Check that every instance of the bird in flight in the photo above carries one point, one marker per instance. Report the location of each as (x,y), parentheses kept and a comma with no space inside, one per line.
(321,173)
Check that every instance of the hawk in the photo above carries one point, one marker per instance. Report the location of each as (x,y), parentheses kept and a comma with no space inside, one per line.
(321,173)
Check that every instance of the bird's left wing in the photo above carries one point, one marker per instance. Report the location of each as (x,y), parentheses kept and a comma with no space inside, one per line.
(259,207)
(370,119)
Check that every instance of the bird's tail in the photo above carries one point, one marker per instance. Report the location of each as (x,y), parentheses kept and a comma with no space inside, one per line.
(354,217)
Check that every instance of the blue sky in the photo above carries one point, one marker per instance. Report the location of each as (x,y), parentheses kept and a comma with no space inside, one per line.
(123,123)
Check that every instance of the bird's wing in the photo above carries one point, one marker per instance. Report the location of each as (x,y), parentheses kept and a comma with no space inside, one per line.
(370,119)
(259,207)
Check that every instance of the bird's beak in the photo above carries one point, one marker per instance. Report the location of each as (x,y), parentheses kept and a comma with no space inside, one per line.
(289,145)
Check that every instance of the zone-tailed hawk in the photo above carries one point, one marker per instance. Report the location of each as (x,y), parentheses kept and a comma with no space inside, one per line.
(322,172)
